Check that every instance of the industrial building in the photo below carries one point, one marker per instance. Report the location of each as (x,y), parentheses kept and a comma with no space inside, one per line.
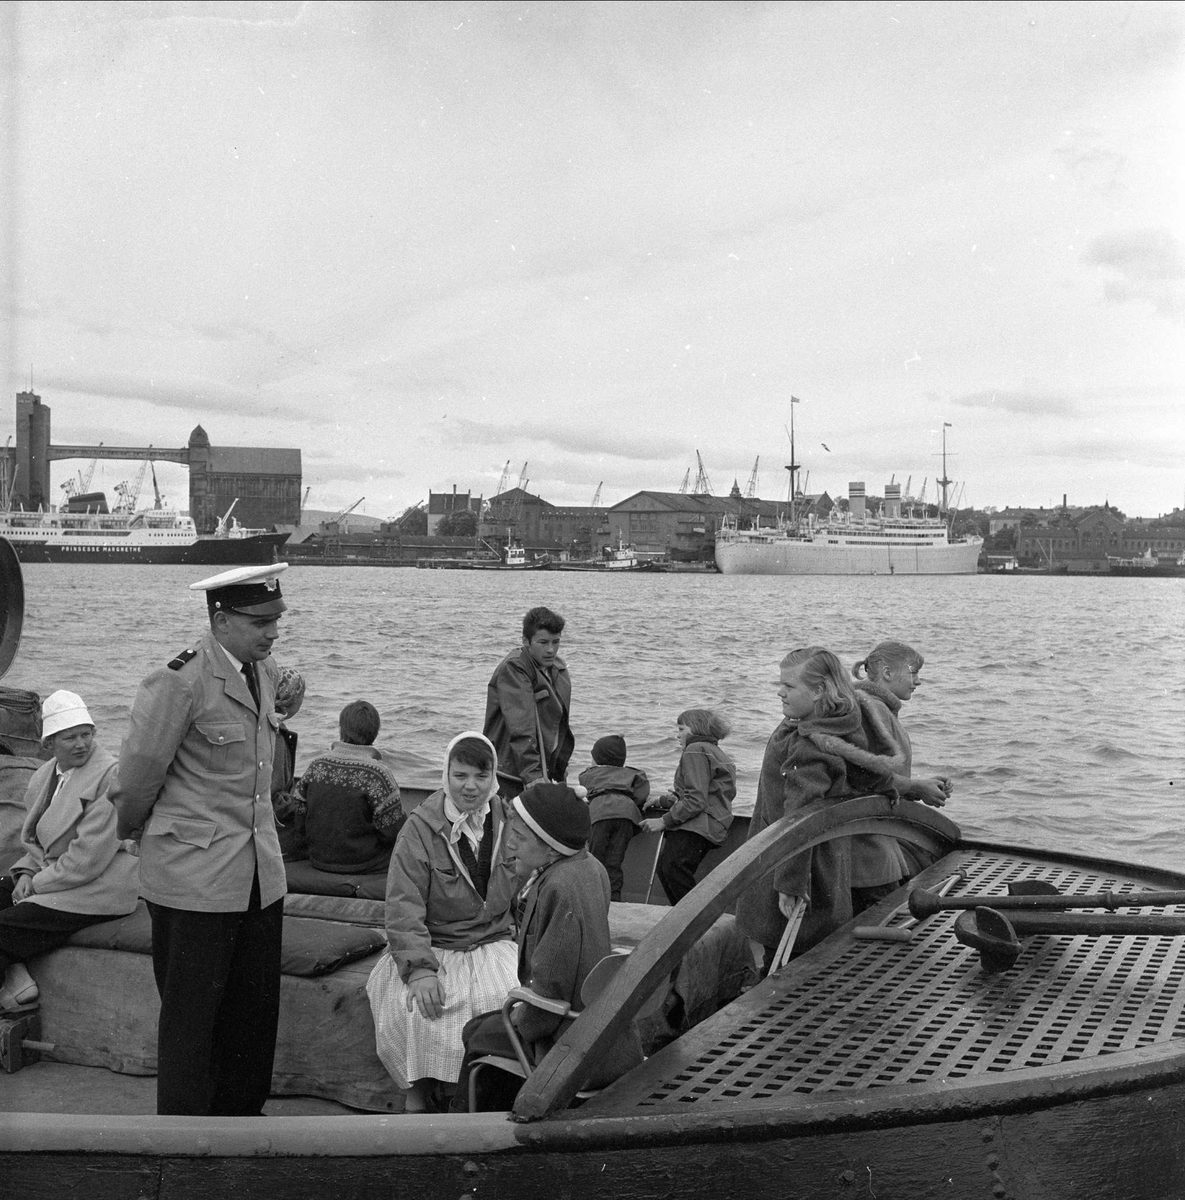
(265,481)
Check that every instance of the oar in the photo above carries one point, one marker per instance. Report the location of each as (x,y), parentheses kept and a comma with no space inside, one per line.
(884,932)
(997,937)
(925,903)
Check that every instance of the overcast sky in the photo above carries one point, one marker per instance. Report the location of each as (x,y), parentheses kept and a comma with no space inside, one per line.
(420,240)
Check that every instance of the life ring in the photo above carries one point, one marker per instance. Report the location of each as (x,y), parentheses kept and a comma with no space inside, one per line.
(12,605)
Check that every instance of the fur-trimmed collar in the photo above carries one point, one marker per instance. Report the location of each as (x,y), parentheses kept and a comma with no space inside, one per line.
(875,688)
(880,725)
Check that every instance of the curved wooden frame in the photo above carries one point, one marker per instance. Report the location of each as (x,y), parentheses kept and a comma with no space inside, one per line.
(12,605)
(561,1074)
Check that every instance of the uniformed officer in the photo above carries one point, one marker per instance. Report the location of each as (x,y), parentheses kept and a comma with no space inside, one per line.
(194,786)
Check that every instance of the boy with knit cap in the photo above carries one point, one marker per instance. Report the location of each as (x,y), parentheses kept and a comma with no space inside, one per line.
(616,794)
(563,932)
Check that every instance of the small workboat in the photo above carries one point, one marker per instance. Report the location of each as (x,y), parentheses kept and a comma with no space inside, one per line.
(891,1060)
(885,1061)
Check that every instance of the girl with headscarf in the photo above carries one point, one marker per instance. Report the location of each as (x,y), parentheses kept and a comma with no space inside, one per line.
(451,954)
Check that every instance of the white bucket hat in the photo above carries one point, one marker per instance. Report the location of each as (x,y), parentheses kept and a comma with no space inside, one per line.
(63,710)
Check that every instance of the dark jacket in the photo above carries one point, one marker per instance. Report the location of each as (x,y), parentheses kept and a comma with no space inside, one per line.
(521,700)
(704,788)
(564,933)
(794,773)
(615,792)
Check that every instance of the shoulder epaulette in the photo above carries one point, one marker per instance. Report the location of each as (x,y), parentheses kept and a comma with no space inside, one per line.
(185,656)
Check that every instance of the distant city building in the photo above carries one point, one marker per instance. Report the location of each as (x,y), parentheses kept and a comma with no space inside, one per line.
(444,504)
(265,481)
(1082,540)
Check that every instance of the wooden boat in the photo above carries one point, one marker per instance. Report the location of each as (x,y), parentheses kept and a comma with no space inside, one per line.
(867,1067)
(883,1062)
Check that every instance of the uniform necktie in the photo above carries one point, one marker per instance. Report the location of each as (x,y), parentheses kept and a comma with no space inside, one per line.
(249,675)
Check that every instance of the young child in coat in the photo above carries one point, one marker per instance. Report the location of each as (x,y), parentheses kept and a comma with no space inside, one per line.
(616,794)
(698,808)
(891,675)
(563,933)
(817,698)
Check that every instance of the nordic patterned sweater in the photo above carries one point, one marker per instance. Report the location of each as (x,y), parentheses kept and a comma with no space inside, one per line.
(348,802)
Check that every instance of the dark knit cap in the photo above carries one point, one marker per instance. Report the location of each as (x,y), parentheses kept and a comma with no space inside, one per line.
(556,814)
(609,751)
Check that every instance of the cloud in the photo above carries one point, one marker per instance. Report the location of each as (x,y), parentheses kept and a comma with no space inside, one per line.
(1029,403)
(194,396)
(1146,264)
(569,439)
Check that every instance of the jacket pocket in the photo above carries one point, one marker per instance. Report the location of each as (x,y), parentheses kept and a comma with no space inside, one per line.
(225,745)
(190,830)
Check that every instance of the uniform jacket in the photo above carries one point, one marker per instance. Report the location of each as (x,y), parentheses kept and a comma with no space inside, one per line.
(431,901)
(77,862)
(704,789)
(521,699)
(877,858)
(615,792)
(794,773)
(564,933)
(198,756)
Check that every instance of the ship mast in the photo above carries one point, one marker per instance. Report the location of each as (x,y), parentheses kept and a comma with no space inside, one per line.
(793,465)
(944,482)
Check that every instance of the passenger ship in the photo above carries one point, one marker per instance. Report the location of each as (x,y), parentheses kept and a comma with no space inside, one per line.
(85,531)
(851,543)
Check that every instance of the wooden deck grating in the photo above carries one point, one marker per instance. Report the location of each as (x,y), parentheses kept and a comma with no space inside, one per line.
(879,1014)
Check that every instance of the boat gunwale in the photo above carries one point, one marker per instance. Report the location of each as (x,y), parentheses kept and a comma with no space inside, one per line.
(376,1135)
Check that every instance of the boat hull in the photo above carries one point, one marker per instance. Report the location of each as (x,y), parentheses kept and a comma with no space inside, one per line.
(202,552)
(789,556)
(1122,1146)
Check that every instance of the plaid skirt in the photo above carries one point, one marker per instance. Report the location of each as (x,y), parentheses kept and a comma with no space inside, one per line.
(413,1047)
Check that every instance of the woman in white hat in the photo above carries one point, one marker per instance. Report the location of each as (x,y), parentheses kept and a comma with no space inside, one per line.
(75,871)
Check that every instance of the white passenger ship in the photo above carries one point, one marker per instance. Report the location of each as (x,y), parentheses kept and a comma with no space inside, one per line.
(851,543)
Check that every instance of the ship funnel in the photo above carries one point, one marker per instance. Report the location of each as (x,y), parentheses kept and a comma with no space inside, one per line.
(856,501)
(892,499)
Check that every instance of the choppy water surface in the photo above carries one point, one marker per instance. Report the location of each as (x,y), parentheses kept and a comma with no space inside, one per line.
(1056,704)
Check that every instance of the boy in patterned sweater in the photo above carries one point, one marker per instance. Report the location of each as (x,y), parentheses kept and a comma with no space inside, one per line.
(347,800)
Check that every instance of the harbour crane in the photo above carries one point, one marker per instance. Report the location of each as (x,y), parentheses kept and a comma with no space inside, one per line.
(522,478)
(703,486)
(686,481)
(596,500)
(158,503)
(751,490)
(129,493)
(502,482)
(304,504)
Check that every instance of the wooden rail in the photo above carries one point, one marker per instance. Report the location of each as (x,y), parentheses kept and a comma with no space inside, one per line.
(567,1067)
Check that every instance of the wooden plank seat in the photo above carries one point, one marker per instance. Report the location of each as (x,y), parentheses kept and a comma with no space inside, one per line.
(99,1003)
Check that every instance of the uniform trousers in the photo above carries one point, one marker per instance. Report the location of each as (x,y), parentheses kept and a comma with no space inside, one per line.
(28,929)
(218,975)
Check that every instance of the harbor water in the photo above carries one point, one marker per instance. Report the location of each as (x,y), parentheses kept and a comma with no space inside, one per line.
(1056,704)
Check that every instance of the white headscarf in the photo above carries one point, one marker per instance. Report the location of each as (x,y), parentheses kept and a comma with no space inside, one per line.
(471,824)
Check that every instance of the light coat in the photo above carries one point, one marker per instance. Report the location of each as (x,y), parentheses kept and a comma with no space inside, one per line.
(72,852)
(196,770)
(431,901)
